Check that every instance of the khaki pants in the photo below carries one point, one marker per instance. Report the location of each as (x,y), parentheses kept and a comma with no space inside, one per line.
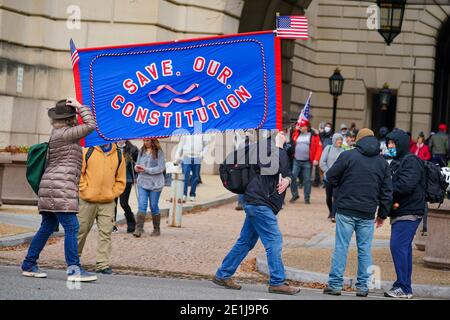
(104,214)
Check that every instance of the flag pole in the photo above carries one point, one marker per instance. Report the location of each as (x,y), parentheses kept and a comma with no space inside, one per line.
(276,23)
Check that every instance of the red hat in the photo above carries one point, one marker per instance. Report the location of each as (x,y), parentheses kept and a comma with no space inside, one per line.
(442,127)
(303,123)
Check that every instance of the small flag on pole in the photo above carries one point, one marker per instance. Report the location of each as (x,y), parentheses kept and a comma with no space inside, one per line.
(292,27)
(74,53)
(304,115)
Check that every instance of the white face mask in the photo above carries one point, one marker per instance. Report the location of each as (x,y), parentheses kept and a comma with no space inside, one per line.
(327,129)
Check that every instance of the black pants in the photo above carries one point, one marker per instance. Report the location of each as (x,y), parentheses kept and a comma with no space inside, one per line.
(329,189)
(124,199)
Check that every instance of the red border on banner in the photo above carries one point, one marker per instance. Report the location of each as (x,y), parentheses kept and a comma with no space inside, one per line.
(78,92)
(278,85)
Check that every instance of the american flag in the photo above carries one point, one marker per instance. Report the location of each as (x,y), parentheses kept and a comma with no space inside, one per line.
(74,53)
(292,27)
(304,115)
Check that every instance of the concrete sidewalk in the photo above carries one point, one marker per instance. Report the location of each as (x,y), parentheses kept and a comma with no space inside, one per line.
(19,223)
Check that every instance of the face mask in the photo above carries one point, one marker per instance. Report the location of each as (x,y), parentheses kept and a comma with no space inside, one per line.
(392,152)
(327,129)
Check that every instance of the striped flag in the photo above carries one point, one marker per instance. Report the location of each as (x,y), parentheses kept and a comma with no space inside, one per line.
(304,115)
(74,53)
(292,27)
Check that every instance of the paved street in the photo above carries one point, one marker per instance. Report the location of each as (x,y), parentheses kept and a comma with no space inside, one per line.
(120,287)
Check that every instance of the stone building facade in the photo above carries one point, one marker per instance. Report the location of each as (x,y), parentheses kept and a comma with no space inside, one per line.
(35,68)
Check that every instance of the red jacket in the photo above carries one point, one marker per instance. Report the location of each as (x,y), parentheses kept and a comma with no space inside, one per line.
(315,145)
(422,152)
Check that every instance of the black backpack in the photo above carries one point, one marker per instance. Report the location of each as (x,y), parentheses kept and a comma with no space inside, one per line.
(236,173)
(436,186)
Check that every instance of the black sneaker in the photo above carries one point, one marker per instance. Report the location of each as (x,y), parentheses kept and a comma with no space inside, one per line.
(332,292)
(115,229)
(294,198)
(307,201)
(107,271)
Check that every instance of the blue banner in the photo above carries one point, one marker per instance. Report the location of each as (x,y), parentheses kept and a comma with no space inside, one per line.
(154,90)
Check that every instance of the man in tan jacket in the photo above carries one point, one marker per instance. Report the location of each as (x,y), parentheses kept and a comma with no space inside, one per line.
(102,180)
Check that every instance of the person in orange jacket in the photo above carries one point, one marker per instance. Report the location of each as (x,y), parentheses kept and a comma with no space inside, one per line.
(306,149)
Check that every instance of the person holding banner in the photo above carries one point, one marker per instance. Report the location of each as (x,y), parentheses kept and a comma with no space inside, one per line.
(150,166)
(102,180)
(58,189)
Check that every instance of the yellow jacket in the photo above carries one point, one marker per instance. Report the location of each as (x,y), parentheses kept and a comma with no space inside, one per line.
(103,181)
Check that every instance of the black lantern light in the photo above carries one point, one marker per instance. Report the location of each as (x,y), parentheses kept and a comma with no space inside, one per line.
(391,18)
(385,96)
(336,87)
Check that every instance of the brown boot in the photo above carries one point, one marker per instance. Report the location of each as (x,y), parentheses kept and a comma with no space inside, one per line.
(140,220)
(284,289)
(156,219)
(227,283)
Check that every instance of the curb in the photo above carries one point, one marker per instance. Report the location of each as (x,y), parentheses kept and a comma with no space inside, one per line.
(420,290)
(24,238)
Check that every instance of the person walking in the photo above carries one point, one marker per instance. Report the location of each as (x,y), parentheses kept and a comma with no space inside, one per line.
(58,189)
(408,181)
(190,151)
(263,199)
(130,152)
(363,181)
(439,147)
(306,149)
(150,167)
(103,179)
(328,158)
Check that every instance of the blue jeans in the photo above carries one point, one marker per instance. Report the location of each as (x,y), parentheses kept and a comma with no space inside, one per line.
(144,196)
(241,199)
(260,222)
(49,222)
(402,235)
(191,165)
(364,229)
(305,168)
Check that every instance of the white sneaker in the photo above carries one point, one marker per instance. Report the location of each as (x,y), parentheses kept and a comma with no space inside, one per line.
(397,293)
(80,275)
(192,199)
(184,198)
(34,273)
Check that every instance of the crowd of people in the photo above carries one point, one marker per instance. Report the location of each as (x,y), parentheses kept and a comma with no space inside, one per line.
(366,180)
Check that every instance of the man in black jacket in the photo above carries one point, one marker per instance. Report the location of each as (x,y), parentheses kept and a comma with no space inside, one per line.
(263,199)
(363,181)
(408,182)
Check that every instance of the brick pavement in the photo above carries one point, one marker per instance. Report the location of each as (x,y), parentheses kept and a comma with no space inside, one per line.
(198,247)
